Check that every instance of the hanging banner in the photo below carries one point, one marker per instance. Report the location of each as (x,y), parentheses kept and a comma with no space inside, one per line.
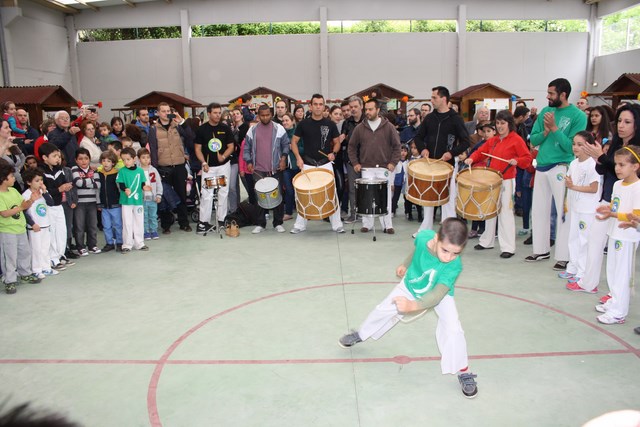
(392,104)
(496,104)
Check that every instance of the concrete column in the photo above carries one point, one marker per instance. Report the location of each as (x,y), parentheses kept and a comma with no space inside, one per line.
(8,15)
(72,36)
(462,47)
(324,53)
(186,54)
(594,28)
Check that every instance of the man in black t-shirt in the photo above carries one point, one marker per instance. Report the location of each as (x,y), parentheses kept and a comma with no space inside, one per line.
(214,145)
(321,143)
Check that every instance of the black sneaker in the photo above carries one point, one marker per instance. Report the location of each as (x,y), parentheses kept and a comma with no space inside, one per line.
(144,248)
(479,247)
(125,251)
(468,384)
(119,247)
(202,227)
(108,248)
(186,228)
(349,340)
(560,265)
(506,255)
(537,257)
(70,255)
(529,241)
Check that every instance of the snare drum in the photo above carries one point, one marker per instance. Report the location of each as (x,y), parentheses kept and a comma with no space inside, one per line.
(428,182)
(268,193)
(478,196)
(371,197)
(215,181)
(315,193)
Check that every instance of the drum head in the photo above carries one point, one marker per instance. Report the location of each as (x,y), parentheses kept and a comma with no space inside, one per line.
(266,185)
(479,177)
(312,179)
(425,169)
(365,181)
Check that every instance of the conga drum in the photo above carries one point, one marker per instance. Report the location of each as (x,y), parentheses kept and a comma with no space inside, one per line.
(428,182)
(478,196)
(315,191)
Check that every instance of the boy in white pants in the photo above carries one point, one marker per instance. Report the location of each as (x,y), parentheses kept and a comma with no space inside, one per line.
(583,185)
(133,183)
(38,223)
(428,278)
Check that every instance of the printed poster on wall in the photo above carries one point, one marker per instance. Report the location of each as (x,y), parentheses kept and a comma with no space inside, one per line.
(392,104)
(258,100)
(496,104)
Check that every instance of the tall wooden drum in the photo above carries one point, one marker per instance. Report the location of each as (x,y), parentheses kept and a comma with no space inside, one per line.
(315,193)
(428,182)
(478,196)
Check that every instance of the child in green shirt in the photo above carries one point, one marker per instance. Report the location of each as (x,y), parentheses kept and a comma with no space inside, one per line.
(428,278)
(132,183)
(14,245)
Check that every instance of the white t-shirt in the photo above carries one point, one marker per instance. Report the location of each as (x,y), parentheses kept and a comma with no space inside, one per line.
(39,211)
(625,198)
(583,174)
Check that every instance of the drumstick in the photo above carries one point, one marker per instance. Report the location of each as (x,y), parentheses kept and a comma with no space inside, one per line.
(305,174)
(496,157)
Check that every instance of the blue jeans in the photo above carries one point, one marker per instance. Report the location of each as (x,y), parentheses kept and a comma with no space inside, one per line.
(289,193)
(150,216)
(112,225)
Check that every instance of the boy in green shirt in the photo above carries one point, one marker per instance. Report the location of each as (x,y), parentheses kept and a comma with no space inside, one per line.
(428,278)
(14,245)
(132,183)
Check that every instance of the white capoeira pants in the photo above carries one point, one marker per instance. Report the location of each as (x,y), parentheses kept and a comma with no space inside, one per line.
(132,226)
(449,334)
(448,210)
(380,173)
(40,243)
(580,228)
(206,194)
(506,221)
(620,266)
(596,241)
(336,222)
(550,184)
(58,231)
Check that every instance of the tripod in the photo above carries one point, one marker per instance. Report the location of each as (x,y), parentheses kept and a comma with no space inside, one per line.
(214,214)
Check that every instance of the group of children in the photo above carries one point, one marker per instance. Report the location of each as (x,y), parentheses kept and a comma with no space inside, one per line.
(34,226)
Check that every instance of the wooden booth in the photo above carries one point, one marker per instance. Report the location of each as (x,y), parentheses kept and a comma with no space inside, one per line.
(152,99)
(38,100)
(626,87)
(264,95)
(395,99)
(484,94)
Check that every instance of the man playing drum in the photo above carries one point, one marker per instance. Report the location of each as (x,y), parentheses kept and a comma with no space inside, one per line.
(266,147)
(442,135)
(321,143)
(213,147)
(374,150)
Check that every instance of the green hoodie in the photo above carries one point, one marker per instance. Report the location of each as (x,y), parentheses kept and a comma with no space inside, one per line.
(556,146)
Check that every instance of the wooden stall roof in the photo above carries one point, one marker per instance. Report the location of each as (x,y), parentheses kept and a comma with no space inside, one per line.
(152,99)
(48,97)
(476,88)
(261,90)
(626,83)
(387,92)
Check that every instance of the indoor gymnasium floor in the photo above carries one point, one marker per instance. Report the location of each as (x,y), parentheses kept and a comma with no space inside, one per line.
(244,332)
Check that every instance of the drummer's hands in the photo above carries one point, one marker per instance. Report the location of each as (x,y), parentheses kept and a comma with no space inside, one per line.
(205,167)
(300,163)
(250,167)
(468,162)
(391,167)
(446,157)
(331,156)
(401,270)
(513,162)
(424,153)
(403,305)
(357,168)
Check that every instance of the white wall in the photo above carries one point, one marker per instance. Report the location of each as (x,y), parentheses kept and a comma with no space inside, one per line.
(37,45)
(609,67)
(119,72)
(525,63)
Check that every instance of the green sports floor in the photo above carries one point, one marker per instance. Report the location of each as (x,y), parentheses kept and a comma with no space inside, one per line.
(203,331)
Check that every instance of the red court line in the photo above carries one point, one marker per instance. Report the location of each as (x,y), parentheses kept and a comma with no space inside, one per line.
(401,359)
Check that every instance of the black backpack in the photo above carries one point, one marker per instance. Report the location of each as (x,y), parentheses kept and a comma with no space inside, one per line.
(246,214)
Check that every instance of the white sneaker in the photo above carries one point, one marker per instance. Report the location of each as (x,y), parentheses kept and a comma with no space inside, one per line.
(39,275)
(296,230)
(602,308)
(50,272)
(608,319)
(83,252)
(340,230)
(280,229)
(257,230)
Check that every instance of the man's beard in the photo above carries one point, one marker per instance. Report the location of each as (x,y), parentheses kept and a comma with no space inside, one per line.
(555,103)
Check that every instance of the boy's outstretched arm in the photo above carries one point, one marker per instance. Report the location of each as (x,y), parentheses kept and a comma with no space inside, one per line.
(428,300)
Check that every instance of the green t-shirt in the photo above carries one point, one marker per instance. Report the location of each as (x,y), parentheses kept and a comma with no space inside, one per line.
(133,180)
(426,270)
(556,147)
(16,224)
